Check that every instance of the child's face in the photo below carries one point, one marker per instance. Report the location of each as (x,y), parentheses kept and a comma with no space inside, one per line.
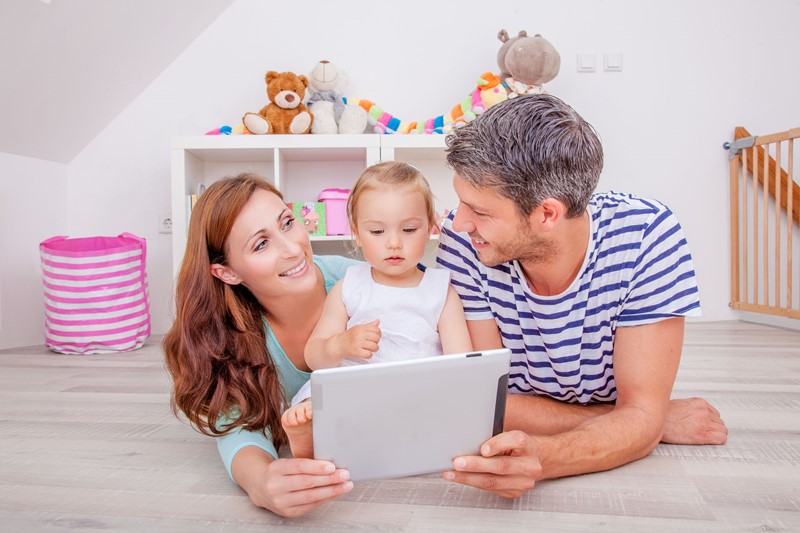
(393,229)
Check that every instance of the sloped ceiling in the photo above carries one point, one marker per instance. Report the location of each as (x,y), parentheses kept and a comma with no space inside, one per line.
(68,67)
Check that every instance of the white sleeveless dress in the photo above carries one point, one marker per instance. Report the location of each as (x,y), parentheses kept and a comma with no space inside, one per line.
(409,316)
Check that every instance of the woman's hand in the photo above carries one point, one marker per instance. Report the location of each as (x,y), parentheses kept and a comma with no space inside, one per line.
(288,487)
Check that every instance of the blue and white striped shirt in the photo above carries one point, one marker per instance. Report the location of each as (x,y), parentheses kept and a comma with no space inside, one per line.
(637,270)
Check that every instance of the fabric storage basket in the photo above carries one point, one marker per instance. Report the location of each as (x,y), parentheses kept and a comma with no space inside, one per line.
(95,291)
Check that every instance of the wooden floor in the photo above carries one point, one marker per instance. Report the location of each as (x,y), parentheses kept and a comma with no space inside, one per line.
(88,443)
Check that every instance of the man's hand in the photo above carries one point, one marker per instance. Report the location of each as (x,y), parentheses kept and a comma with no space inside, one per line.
(509,465)
(360,341)
(693,421)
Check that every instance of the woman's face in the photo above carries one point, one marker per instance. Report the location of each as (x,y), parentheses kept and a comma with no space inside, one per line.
(268,251)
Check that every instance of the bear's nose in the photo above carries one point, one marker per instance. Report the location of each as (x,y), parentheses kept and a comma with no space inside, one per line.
(290,98)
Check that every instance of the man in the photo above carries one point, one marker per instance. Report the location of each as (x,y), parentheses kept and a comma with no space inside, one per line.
(588,291)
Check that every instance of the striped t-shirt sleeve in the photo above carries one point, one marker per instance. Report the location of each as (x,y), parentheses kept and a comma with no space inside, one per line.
(663,282)
(456,255)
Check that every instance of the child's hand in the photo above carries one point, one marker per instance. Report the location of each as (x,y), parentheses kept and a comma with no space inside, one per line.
(361,340)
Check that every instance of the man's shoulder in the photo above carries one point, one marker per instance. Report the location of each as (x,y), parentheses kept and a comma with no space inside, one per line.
(617,214)
(614,204)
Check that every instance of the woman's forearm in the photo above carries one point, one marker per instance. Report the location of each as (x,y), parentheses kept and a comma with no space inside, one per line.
(249,470)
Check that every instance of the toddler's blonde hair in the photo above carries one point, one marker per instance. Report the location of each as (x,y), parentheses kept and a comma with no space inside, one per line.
(390,174)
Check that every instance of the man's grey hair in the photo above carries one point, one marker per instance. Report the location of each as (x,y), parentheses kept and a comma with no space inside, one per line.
(528,149)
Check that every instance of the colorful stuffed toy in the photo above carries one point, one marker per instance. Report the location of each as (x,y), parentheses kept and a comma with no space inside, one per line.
(489,92)
(326,103)
(285,112)
(526,63)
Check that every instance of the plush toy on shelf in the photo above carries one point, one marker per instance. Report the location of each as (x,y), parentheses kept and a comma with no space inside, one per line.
(526,63)
(285,112)
(489,91)
(311,215)
(331,114)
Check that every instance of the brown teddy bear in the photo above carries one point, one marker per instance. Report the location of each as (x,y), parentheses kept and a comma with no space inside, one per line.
(285,112)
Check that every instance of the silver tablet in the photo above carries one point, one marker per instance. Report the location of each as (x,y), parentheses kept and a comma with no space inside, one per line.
(408,417)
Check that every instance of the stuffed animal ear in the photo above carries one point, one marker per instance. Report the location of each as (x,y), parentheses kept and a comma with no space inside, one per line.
(271,75)
(503,36)
(303,80)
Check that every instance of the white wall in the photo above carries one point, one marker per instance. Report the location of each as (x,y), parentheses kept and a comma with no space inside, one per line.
(692,72)
(32,209)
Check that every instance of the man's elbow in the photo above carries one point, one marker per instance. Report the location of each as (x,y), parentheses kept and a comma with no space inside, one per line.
(648,427)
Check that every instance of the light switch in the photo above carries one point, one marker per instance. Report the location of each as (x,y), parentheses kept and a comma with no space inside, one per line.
(586,62)
(612,62)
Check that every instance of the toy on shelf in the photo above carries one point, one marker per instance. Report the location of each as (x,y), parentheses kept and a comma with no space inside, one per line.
(335,201)
(222,130)
(526,63)
(331,114)
(238,129)
(311,215)
(285,112)
(489,91)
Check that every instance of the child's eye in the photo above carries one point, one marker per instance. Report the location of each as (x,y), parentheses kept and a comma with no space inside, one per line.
(409,230)
(376,231)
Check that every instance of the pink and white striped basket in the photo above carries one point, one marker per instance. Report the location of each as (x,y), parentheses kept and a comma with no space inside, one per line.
(95,292)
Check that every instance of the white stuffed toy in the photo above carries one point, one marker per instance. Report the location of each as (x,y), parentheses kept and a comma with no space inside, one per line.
(331,114)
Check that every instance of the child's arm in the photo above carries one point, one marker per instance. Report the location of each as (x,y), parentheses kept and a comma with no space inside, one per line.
(453,326)
(331,341)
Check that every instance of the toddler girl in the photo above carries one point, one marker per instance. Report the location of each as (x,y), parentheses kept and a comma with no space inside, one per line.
(386,309)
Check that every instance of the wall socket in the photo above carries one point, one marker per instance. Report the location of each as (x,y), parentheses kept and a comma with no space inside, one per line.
(165,223)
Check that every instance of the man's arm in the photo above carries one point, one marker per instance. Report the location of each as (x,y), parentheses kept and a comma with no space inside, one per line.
(645,364)
(689,421)
(535,415)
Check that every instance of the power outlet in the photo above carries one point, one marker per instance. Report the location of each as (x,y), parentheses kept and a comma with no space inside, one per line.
(165,223)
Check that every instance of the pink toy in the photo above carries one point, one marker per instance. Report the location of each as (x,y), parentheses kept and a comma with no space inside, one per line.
(335,201)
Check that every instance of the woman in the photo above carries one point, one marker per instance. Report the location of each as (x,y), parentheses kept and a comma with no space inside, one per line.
(248,295)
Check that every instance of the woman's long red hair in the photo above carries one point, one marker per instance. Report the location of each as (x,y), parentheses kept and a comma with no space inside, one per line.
(216,348)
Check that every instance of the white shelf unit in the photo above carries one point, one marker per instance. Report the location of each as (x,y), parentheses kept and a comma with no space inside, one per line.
(300,166)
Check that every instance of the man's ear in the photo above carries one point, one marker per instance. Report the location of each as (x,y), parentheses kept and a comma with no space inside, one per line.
(224,274)
(547,215)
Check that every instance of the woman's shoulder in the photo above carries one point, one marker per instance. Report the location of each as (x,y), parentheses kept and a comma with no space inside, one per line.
(333,267)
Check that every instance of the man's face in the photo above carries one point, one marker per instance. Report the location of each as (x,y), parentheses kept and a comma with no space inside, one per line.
(498,232)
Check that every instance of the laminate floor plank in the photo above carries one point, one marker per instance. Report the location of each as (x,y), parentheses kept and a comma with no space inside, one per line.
(89,443)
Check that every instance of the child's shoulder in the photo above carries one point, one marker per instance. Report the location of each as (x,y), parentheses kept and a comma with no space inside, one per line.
(333,267)
(437,275)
